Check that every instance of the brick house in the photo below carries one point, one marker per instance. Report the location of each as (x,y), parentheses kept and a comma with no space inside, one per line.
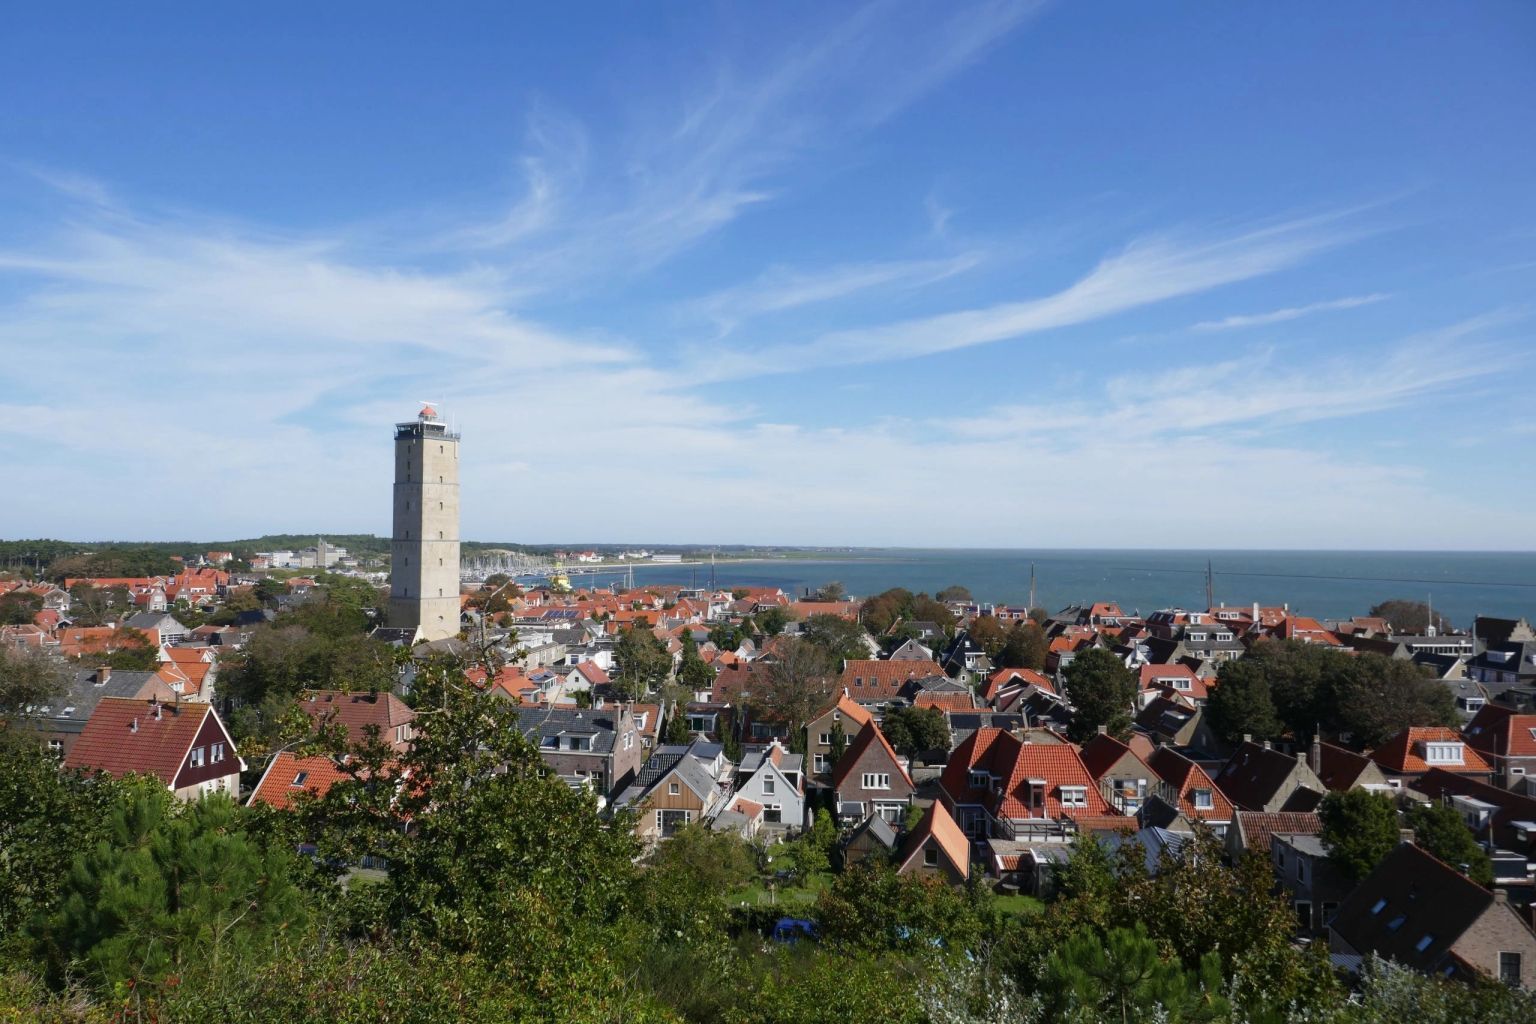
(355,713)
(597,746)
(1420,912)
(870,779)
(1505,739)
(936,848)
(1125,780)
(1406,757)
(1184,790)
(845,713)
(1259,778)
(999,785)
(184,745)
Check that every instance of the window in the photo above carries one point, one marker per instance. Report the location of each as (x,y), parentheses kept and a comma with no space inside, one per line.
(876,780)
(819,763)
(825,739)
(773,813)
(1200,637)
(980,780)
(1379,906)
(55,746)
(1443,753)
(218,753)
(299,779)
(1509,968)
(196,760)
(1397,922)
(768,783)
(1424,943)
(931,857)
(1074,796)
(1203,800)
(1304,913)
(1301,870)
(673,789)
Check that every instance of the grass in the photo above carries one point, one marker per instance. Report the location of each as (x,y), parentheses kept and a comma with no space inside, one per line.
(1018,903)
(757,893)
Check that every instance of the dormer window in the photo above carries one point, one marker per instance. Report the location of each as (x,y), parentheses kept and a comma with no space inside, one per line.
(1202,799)
(1444,753)
(1197,637)
(1074,796)
(980,780)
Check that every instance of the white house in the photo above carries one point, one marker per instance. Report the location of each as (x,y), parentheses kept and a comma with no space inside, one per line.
(775,778)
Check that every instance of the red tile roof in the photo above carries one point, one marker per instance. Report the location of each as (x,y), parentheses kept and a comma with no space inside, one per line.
(1100,754)
(1501,732)
(1258,826)
(939,827)
(868,679)
(1404,753)
(1185,777)
(288,776)
(948,700)
(1014,763)
(147,737)
(1010,676)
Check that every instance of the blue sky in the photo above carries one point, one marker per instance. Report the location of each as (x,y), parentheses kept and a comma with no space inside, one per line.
(1239,275)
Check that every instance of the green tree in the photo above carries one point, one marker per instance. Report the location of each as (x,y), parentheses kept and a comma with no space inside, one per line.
(1240,704)
(798,682)
(914,730)
(1101,690)
(1026,647)
(772,620)
(953,593)
(842,639)
(987,631)
(677,726)
(1359,829)
(641,662)
(871,907)
(18,607)
(1409,616)
(1123,976)
(685,879)
(1375,697)
(28,677)
(1440,830)
(176,887)
(725,636)
(832,591)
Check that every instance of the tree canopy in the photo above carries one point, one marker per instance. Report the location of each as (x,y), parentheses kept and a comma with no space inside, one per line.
(1359,830)
(1101,690)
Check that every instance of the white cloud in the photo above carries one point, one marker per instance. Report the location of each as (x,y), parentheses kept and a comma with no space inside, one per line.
(1291,313)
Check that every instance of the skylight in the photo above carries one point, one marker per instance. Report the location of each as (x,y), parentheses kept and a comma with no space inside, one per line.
(1380,905)
(1397,922)
(1424,943)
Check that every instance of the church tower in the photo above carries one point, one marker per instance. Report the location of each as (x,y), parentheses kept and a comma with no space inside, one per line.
(424,566)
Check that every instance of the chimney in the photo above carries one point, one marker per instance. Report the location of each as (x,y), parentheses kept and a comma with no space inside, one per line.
(1316,757)
(1103,730)
(1247,737)
(1405,835)
(1266,744)
(103,673)
(133,726)
(154,706)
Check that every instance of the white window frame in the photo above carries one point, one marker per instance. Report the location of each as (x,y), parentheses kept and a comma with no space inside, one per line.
(198,758)
(1074,796)
(1202,799)
(875,780)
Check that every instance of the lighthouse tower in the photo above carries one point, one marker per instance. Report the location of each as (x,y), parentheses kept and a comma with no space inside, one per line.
(424,568)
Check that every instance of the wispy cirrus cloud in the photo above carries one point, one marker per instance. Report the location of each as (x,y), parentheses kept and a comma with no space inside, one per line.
(1290,313)
(1148,271)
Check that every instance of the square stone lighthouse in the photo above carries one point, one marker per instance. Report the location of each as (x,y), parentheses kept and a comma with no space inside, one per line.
(424,566)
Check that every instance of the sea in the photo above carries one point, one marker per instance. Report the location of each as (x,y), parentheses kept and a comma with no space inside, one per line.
(1323,584)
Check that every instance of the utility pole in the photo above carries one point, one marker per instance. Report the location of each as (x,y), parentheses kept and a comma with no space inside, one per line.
(1210,586)
(1031,586)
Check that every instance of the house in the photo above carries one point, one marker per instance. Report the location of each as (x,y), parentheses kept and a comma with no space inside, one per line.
(936,848)
(1339,769)
(1251,830)
(1124,779)
(677,785)
(1172,680)
(184,745)
(61,721)
(162,629)
(910,650)
(1259,778)
(845,715)
(774,779)
(870,779)
(1175,720)
(1315,886)
(1184,791)
(963,723)
(1405,758)
(1422,913)
(872,837)
(1502,820)
(999,785)
(357,715)
(870,681)
(599,747)
(1506,739)
(965,658)
(1008,679)
(289,776)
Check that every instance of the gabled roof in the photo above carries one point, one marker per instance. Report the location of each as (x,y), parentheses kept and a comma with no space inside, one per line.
(1013,765)
(1501,731)
(1257,826)
(1409,896)
(1404,753)
(354,712)
(148,737)
(288,776)
(1185,776)
(852,710)
(1015,676)
(869,738)
(871,679)
(1339,768)
(945,700)
(1100,754)
(1254,774)
(937,828)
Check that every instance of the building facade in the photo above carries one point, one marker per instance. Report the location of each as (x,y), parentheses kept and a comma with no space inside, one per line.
(424,571)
